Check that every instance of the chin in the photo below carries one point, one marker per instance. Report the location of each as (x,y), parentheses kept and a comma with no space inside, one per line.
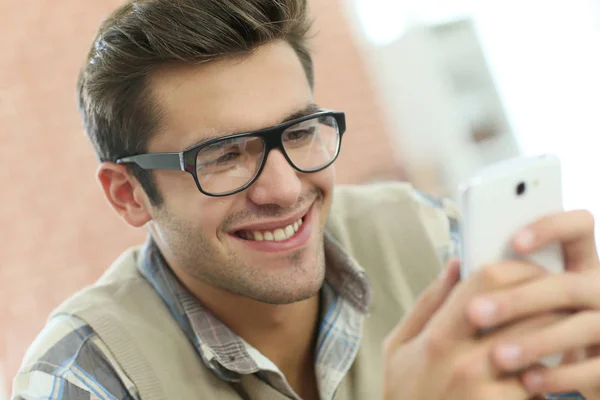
(296,283)
(289,295)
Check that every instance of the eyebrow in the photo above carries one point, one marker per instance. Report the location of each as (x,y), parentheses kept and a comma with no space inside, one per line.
(311,108)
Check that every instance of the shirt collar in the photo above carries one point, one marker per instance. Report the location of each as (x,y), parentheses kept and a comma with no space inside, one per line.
(220,348)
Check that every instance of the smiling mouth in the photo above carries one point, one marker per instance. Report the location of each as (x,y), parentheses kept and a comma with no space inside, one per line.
(275,235)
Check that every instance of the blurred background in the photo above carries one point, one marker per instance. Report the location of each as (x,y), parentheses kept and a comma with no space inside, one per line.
(433,91)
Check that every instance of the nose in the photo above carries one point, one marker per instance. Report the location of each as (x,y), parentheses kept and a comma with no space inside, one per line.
(278,183)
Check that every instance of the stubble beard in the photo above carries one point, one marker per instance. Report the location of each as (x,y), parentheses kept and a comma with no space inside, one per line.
(196,257)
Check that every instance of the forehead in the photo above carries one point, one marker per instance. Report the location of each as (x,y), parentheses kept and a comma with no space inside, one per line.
(228,96)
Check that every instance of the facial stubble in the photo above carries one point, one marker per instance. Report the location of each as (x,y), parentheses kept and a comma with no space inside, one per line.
(195,256)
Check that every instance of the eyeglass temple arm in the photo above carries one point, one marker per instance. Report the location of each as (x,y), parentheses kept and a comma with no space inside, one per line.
(155,161)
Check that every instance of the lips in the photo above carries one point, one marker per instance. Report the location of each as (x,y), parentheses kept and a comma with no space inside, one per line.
(279,234)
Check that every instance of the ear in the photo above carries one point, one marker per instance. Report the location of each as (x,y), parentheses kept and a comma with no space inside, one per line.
(124,193)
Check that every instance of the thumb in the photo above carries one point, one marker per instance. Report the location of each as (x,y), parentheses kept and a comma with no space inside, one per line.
(427,305)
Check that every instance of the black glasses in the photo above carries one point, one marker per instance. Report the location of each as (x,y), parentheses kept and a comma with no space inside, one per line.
(230,164)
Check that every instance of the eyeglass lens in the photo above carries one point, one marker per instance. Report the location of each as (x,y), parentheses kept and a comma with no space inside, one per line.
(230,164)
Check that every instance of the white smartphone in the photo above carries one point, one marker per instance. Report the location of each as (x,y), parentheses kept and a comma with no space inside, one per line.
(498,202)
(502,199)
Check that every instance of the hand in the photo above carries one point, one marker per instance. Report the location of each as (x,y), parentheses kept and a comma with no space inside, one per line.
(576,291)
(435,353)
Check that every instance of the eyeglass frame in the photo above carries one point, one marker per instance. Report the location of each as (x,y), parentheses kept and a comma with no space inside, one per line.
(271,137)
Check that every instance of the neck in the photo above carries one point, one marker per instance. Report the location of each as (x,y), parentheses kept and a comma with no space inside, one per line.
(284,333)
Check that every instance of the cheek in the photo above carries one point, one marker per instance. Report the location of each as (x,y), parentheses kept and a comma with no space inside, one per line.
(183,200)
(324,180)
(211,215)
(177,186)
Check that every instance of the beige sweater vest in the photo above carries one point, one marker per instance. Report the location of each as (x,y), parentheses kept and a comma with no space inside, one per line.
(390,234)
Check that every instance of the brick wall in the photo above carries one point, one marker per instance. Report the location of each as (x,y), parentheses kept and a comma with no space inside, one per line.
(56,231)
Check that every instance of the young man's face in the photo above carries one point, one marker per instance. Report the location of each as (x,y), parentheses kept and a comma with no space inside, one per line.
(205,239)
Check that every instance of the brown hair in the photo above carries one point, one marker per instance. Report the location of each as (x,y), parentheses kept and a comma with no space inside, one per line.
(118,112)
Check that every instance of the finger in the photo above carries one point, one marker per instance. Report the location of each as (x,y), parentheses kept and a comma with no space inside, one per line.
(574,229)
(510,336)
(563,379)
(452,319)
(577,331)
(574,356)
(554,292)
(427,304)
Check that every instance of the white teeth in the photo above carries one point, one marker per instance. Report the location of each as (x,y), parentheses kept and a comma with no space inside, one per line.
(279,235)
(276,235)
(289,231)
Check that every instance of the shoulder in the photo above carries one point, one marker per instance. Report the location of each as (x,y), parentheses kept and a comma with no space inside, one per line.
(441,218)
(389,203)
(68,360)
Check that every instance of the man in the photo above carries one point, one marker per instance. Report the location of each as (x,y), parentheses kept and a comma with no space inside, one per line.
(256,281)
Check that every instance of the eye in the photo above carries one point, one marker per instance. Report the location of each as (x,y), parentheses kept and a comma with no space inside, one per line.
(226,158)
(222,163)
(300,135)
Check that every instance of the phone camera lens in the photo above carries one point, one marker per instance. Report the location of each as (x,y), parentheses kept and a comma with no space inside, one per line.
(521,187)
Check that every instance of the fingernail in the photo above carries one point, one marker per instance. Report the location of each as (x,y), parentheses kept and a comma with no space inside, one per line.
(526,239)
(485,310)
(533,380)
(510,354)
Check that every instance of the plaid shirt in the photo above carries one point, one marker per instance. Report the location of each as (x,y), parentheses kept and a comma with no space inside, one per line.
(73,363)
